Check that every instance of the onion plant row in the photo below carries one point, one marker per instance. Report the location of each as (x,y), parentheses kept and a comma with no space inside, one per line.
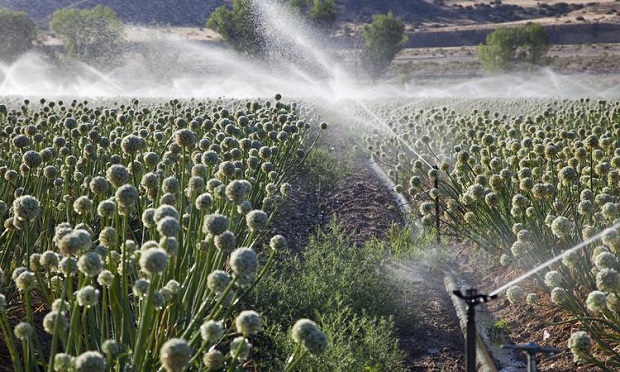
(525,181)
(130,232)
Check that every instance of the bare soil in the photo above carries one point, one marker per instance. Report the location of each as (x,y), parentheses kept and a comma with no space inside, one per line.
(599,61)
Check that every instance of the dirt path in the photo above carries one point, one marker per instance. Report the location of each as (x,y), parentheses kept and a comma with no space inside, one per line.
(366,209)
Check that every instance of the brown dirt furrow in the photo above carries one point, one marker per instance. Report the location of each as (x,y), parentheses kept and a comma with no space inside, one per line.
(366,210)
(363,205)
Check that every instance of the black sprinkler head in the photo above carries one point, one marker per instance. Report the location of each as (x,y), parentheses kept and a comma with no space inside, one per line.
(472,297)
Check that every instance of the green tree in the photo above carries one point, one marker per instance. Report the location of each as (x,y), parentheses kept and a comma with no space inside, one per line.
(17,34)
(514,49)
(323,13)
(90,35)
(383,38)
(239,27)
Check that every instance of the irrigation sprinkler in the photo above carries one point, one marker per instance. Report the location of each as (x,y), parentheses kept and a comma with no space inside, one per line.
(437,205)
(472,298)
(531,349)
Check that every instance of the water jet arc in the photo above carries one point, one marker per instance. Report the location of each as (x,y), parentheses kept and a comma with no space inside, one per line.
(555,259)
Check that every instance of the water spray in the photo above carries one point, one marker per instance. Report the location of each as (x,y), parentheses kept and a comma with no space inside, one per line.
(390,131)
(555,259)
(472,298)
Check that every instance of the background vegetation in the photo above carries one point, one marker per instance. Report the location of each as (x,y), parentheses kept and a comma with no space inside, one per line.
(240,25)
(514,49)
(90,35)
(17,34)
(383,38)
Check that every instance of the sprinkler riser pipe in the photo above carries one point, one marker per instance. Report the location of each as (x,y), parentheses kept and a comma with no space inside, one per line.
(530,350)
(531,362)
(470,342)
(437,209)
(471,298)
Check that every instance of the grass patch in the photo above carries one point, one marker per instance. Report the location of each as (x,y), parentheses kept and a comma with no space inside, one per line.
(322,169)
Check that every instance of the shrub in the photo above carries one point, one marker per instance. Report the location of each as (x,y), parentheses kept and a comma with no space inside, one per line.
(513,49)
(239,27)
(345,290)
(17,34)
(383,38)
(323,13)
(90,35)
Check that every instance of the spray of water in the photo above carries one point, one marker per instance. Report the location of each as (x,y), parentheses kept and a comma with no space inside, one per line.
(285,30)
(173,68)
(381,126)
(180,69)
(555,259)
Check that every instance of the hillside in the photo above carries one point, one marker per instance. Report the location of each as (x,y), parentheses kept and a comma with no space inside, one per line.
(174,13)
(417,14)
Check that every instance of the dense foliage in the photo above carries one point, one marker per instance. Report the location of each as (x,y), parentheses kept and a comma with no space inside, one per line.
(90,35)
(17,34)
(514,49)
(347,287)
(323,13)
(384,37)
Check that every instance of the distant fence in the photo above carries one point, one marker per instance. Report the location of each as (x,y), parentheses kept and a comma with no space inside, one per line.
(572,33)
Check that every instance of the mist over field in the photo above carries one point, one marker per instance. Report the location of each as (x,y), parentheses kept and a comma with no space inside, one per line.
(298,193)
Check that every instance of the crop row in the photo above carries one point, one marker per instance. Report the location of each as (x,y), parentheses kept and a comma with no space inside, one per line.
(526,181)
(131,232)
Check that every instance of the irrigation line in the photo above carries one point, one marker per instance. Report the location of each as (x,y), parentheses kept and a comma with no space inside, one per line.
(383,175)
(401,202)
(437,206)
(556,259)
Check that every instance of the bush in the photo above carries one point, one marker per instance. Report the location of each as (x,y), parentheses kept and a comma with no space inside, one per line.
(345,290)
(90,35)
(298,6)
(383,38)
(17,34)
(239,27)
(514,49)
(321,169)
